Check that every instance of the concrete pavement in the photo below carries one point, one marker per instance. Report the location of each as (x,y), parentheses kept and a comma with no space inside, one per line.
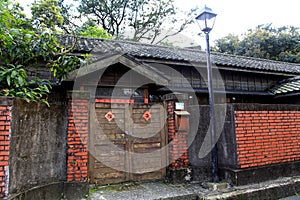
(280,188)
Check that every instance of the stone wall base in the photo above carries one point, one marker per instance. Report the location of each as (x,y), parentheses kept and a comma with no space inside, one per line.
(259,174)
(58,190)
(177,175)
(201,174)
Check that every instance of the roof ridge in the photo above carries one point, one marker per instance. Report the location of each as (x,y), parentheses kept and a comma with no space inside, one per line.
(256,59)
(128,41)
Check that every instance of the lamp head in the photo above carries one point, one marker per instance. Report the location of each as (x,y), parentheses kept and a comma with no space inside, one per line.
(206,19)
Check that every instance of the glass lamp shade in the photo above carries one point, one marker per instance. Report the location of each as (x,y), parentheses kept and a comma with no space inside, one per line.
(206,19)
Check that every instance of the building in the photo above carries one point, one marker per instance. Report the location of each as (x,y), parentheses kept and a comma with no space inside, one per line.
(139,112)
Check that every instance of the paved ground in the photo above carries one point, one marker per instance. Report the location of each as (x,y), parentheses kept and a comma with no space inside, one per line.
(145,191)
(162,190)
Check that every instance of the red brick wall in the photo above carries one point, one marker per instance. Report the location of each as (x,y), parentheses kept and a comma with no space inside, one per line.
(267,137)
(5,122)
(178,147)
(77,158)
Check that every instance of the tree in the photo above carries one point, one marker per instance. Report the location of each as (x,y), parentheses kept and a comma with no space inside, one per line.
(46,14)
(95,32)
(90,29)
(23,48)
(68,12)
(282,44)
(145,19)
(227,44)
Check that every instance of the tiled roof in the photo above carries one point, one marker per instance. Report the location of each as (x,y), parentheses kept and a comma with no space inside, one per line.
(290,85)
(141,50)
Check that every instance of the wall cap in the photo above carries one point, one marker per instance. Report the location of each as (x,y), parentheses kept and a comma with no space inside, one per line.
(77,94)
(175,96)
(265,107)
(6,100)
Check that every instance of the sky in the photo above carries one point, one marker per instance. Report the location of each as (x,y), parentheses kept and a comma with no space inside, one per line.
(237,16)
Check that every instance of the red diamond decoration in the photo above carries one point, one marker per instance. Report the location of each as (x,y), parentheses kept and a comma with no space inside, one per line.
(147,115)
(109,116)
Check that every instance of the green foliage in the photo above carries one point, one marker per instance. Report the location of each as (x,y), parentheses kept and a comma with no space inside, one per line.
(64,64)
(30,49)
(11,15)
(46,14)
(227,44)
(13,81)
(94,32)
(24,51)
(282,44)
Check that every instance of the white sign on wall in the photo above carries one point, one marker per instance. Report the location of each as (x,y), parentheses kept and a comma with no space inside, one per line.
(179,106)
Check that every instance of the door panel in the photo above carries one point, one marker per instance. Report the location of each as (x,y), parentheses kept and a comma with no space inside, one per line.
(147,143)
(107,146)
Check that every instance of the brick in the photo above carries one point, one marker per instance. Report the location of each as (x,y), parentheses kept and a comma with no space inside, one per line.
(4,153)
(83,169)
(3,163)
(4,132)
(84,176)
(77,137)
(275,140)
(3,118)
(81,153)
(4,143)
(78,179)
(3,108)
(4,123)
(244,166)
(74,142)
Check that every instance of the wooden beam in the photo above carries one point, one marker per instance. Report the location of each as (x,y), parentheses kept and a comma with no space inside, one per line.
(223,67)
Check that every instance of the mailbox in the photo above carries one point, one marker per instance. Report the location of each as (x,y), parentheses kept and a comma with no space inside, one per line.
(182,120)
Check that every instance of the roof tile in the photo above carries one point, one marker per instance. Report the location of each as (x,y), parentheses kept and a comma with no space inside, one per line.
(287,86)
(177,54)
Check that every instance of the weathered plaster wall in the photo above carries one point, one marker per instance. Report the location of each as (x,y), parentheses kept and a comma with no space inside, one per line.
(200,165)
(38,145)
(200,148)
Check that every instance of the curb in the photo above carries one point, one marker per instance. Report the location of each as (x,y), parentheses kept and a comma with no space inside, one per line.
(274,190)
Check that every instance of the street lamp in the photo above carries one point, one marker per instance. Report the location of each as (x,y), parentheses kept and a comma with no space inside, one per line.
(206,21)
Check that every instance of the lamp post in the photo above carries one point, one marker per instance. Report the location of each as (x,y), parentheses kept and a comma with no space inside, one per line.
(206,20)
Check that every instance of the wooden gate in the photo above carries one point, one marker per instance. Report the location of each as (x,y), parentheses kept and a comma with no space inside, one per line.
(127,143)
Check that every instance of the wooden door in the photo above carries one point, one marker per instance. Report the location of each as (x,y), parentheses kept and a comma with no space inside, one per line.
(147,143)
(127,143)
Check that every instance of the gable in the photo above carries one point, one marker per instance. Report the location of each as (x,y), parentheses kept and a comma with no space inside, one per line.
(103,63)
